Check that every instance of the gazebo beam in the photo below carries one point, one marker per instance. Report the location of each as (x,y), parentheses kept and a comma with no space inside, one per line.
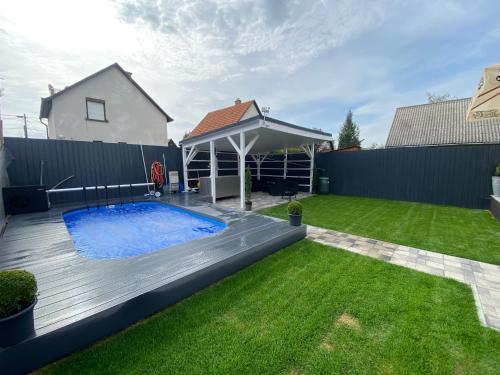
(233,143)
(192,154)
(250,144)
(306,150)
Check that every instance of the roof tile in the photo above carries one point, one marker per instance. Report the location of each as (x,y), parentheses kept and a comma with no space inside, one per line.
(221,118)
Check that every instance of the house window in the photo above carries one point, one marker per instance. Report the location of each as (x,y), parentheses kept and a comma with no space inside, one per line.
(96,110)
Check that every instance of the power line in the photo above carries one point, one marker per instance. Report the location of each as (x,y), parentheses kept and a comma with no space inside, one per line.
(11,114)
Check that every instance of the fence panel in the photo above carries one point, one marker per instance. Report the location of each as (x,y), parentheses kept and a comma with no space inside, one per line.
(91,163)
(452,175)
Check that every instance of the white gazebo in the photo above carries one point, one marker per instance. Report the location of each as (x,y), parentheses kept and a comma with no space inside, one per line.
(257,137)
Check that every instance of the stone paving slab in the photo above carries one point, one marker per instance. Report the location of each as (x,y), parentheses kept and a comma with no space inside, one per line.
(483,278)
(260,200)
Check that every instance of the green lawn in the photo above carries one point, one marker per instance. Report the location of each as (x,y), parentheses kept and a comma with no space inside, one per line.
(308,309)
(466,233)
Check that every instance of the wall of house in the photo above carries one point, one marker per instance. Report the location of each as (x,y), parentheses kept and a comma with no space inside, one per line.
(251,112)
(131,117)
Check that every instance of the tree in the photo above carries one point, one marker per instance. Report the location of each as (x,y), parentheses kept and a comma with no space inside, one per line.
(432,97)
(349,133)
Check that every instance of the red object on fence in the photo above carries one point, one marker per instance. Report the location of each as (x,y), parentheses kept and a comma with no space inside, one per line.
(157,174)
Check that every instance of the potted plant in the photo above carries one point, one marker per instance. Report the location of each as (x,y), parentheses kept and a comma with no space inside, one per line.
(294,213)
(495,181)
(248,189)
(18,292)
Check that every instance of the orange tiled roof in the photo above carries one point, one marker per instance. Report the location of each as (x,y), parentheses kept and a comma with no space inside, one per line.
(221,118)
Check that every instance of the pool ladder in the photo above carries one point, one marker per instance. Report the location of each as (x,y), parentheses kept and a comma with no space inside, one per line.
(96,188)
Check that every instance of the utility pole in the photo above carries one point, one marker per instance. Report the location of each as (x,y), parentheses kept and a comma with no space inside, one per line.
(25,125)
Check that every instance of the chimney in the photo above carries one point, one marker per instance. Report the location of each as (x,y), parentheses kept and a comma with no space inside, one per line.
(237,101)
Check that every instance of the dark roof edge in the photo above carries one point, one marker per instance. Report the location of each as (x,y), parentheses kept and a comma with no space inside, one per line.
(320,132)
(46,103)
(260,117)
(256,106)
(444,144)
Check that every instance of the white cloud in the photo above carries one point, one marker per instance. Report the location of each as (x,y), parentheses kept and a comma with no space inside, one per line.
(309,61)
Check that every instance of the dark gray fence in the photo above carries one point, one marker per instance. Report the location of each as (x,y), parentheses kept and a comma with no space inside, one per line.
(454,175)
(91,163)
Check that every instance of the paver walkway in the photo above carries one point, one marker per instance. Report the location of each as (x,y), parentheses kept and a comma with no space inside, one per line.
(260,200)
(483,278)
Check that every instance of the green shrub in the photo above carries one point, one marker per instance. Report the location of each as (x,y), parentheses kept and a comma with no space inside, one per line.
(248,185)
(498,170)
(295,208)
(17,291)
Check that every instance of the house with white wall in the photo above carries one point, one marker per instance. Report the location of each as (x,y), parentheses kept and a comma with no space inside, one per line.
(107,106)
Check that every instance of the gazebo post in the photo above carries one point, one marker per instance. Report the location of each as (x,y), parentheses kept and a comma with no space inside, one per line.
(212,171)
(184,168)
(242,169)
(258,167)
(285,163)
(311,170)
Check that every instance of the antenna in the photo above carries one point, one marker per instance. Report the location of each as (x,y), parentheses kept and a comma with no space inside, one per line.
(265,112)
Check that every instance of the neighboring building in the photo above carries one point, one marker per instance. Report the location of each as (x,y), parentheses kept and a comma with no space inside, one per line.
(106,106)
(226,116)
(439,124)
(348,149)
(325,146)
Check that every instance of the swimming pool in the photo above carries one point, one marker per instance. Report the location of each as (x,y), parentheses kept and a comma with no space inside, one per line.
(131,229)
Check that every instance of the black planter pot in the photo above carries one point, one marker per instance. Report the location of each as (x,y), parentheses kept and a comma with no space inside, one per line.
(248,206)
(295,220)
(17,327)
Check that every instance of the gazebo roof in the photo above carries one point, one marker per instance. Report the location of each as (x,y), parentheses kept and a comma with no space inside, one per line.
(272,134)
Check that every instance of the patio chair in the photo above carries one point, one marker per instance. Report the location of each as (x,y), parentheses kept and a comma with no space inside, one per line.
(290,189)
(283,187)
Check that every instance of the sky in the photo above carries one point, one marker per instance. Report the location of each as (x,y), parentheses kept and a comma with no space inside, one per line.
(309,61)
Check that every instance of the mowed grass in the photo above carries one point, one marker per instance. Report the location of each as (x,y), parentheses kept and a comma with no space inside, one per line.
(466,233)
(308,309)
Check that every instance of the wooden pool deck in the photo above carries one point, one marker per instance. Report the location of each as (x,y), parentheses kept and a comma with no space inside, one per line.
(82,300)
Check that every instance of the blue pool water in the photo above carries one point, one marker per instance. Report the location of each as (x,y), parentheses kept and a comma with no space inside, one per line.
(135,229)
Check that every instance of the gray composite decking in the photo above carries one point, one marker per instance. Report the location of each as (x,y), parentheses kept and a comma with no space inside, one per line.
(81,300)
